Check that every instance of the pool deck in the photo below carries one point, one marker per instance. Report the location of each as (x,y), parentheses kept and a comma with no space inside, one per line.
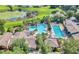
(73,28)
(61,27)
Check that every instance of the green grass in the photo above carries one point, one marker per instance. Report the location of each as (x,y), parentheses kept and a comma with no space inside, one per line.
(43,11)
(8,25)
(15,8)
(7,15)
(4,8)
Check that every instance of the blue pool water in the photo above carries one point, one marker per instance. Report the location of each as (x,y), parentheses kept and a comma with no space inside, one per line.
(32,28)
(40,28)
(58,32)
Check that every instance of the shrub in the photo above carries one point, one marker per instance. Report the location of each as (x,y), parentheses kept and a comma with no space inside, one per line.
(17,50)
(71,46)
(20,45)
(70,13)
(9,25)
(1,29)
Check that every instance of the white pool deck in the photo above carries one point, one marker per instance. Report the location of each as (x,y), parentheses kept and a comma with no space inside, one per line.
(53,33)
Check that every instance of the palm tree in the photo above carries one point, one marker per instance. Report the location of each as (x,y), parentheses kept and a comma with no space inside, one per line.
(39,41)
(71,46)
(42,46)
(46,48)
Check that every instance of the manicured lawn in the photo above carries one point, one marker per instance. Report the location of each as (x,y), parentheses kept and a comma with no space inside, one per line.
(8,15)
(43,11)
(4,8)
(8,25)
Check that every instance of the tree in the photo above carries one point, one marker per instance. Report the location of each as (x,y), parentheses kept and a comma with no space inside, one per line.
(20,44)
(77,14)
(71,46)
(39,41)
(46,48)
(73,8)
(70,13)
(42,46)
(66,7)
(11,9)
(59,16)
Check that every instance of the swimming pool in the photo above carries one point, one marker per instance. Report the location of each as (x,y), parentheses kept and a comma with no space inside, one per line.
(41,28)
(57,31)
(32,28)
